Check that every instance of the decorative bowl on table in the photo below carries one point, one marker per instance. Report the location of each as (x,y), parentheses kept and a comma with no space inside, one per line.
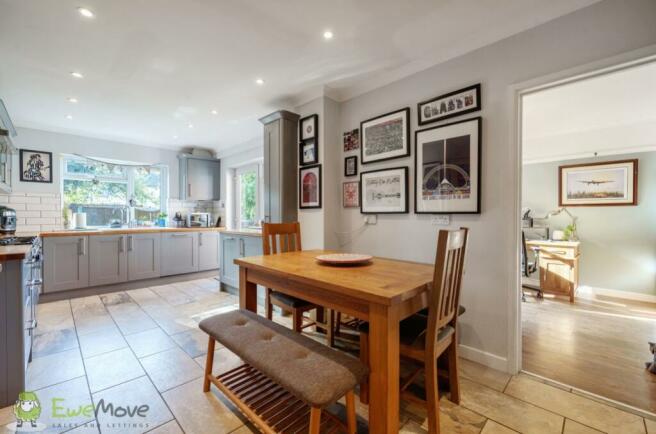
(344,259)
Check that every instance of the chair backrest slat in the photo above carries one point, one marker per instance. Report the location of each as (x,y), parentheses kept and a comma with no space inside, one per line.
(444,295)
(281,237)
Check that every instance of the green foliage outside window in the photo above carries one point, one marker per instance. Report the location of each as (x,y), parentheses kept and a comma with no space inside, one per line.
(248,199)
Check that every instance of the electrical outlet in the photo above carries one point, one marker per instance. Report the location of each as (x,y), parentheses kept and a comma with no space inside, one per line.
(441,220)
(370,219)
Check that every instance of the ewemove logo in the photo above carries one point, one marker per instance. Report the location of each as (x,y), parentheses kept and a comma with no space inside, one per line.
(27,410)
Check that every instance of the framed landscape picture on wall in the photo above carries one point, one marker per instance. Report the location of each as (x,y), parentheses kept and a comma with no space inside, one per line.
(448,168)
(384,191)
(309,180)
(385,137)
(599,184)
(451,104)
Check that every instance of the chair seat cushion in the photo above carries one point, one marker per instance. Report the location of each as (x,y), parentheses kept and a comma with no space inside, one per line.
(311,371)
(461,310)
(290,301)
(412,330)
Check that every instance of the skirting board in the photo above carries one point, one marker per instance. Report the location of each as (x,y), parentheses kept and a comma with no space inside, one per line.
(487,359)
(635,296)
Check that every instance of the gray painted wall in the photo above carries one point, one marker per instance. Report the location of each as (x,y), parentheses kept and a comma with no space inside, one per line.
(618,243)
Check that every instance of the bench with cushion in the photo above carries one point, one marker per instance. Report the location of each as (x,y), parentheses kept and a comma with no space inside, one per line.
(287,379)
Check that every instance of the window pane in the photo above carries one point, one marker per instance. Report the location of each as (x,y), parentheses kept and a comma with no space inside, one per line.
(93,168)
(102,201)
(147,184)
(248,198)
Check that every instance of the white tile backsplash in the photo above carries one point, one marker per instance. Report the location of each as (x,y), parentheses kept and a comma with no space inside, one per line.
(186,207)
(35,212)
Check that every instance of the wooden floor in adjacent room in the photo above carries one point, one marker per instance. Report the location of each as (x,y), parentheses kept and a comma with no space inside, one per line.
(599,345)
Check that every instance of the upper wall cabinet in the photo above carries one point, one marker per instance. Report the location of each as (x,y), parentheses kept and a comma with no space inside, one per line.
(6,154)
(200,178)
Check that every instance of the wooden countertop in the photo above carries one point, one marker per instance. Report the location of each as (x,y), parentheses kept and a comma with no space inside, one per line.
(121,231)
(10,253)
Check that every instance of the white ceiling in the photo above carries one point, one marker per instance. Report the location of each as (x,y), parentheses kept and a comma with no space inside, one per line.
(153,67)
(609,114)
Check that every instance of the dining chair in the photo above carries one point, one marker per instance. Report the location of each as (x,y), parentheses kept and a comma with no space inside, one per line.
(281,238)
(424,338)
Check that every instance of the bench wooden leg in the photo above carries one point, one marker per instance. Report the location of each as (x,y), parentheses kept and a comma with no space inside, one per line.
(209,364)
(364,358)
(315,420)
(351,419)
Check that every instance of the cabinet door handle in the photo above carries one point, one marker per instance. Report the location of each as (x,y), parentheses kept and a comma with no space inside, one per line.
(82,247)
(200,238)
(121,245)
(229,239)
(178,235)
(189,190)
(242,247)
(130,245)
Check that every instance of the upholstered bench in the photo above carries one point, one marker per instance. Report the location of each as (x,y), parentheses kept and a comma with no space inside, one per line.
(287,380)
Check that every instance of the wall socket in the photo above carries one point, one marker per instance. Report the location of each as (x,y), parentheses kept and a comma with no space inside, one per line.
(441,220)
(370,219)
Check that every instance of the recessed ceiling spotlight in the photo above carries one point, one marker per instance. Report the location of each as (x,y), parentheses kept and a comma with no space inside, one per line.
(72,100)
(69,117)
(190,125)
(328,34)
(214,112)
(175,137)
(76,74)
(86,13)
(259,82)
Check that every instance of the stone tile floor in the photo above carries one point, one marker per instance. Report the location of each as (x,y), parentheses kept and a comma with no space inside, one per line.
(143,347)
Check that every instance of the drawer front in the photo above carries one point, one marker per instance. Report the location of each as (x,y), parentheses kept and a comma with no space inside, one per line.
(560,252)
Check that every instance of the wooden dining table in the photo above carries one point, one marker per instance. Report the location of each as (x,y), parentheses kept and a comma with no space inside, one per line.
(382,292)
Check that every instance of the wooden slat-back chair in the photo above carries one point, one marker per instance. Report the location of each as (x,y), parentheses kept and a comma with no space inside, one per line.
(281,238)
(425,339)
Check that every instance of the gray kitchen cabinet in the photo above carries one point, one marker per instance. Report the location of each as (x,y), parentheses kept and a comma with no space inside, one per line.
(179,253)
(143,256)
(66,263)
(108,262)
(280,167)
(233,247)
(200,178)
(209,251)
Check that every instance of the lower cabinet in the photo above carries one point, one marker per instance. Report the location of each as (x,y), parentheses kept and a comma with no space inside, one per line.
(109,260)
(143,256)
(66,263)
(233,247)
(179,253)
(209,251)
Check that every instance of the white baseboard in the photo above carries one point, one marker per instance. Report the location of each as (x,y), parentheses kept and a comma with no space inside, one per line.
(487,359)
(635,296)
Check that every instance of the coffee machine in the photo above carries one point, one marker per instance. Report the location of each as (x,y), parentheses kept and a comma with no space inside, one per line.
(7,220)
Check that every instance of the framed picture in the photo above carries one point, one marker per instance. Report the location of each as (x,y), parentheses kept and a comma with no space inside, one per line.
(384,191)
(385,137)
(599,184)
(308,152)
(351,194)
(448,168)
(309,126)
(309,187)
(352,140)
(351,166)
(451,104)
(35,166)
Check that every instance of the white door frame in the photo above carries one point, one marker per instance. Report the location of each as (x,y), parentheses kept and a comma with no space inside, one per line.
(516,92)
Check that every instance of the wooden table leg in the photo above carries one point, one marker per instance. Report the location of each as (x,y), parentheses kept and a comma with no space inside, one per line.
(384,364)
(247,292)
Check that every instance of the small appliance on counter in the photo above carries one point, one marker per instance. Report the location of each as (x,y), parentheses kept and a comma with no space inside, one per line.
(199,220)
(178,222)
(7,220)
(79,220)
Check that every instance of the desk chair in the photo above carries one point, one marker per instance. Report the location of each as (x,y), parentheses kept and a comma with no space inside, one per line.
(528,267)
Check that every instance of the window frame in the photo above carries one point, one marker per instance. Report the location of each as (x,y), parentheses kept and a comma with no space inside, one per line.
(257,168)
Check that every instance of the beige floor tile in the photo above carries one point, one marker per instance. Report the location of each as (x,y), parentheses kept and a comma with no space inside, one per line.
(212,284)
(90,428)
(73,395)
(111,369)
(94,324)
(171,368)
(651,426)
(54,316)
(132,394)
(115,298)
(168,428)
(577,408)
(224,360)
(572,427)
(193,342)
(509,411)
(491,427)
(453,418)
(54,342)
(102,341)
(130,318)
(55,368)
(172,295)
(412,427)
(149,342)
(6,416)
(90,315)
(195,411)
(145,297)
(489,377)
(246,429)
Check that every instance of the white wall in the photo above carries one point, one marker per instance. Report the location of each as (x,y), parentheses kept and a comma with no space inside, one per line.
(618,243)
(598,32)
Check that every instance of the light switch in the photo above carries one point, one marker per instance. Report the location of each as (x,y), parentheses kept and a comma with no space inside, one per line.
(441,220)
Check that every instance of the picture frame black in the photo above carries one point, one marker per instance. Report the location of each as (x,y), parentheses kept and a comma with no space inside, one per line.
(301,170)
(314,120)
(406,189)
(353,158)
(479,148)
(476,88)
(302,161)
(32,174)
(406,136)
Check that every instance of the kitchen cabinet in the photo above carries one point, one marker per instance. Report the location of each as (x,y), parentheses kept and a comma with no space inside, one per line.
(7,151)
(200,178)
(143,256)
(108,260)
(66,263)
(280,167)
(179,253)
(209,251)
(235,246)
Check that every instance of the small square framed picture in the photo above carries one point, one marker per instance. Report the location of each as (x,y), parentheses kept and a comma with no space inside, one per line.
(309,127)
(35,166)
(351,166)
(351,194)
(308,152)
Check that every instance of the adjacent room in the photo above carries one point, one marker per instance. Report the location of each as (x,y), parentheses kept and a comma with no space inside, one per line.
(366,216)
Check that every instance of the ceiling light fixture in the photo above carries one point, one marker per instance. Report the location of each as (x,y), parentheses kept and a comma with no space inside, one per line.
(76,74)
(259,82)
(190,125)
(214,112)
(69,117)
(86,13)
(72,100)
(328,35)
(175,137)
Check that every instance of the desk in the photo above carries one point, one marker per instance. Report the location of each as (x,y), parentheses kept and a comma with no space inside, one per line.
(559,266)
(383,292)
